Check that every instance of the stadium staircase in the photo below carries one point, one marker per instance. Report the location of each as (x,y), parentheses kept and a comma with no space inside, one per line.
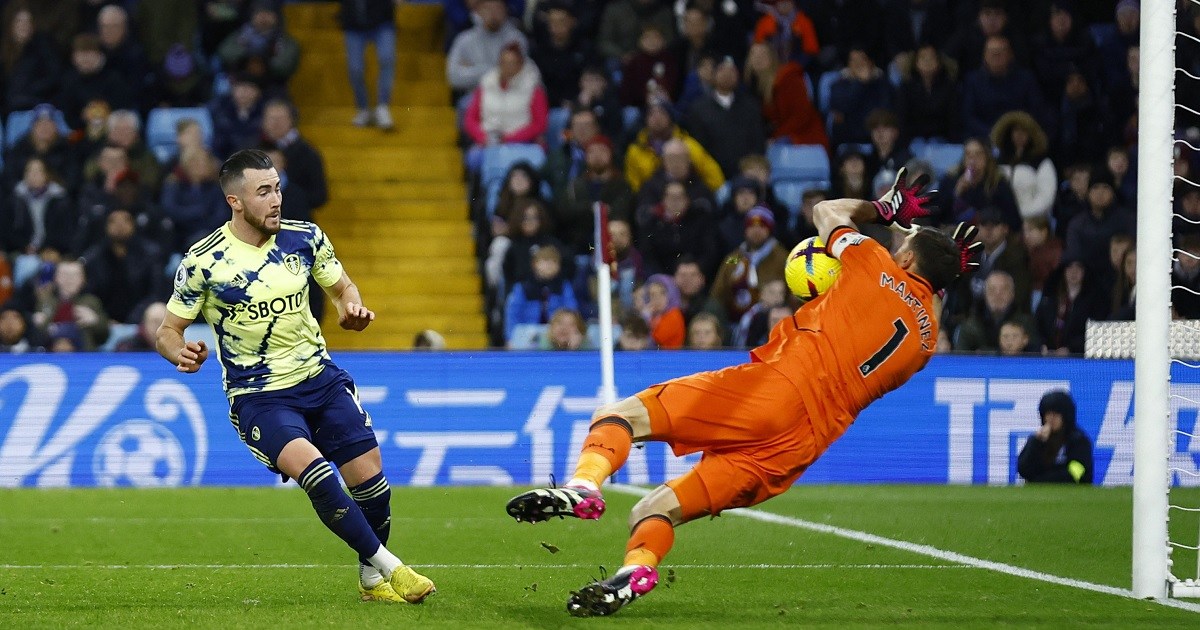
(397,209)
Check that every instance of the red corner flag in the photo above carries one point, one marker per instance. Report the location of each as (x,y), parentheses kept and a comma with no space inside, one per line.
(604,253)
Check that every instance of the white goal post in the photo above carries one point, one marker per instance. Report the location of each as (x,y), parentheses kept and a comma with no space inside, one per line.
(1152,364)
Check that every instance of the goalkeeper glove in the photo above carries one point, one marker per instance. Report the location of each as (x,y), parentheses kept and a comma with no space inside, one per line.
(903,203)
(968,247)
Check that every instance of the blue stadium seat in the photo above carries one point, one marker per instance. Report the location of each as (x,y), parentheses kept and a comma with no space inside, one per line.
(160,128)
(556,123)
(798,161)
(863,148)
(825,88)
(19,123)
(499,158)
(527,336)
(631,117)
(943,157)
(791,193)
(118,333)
(917,147)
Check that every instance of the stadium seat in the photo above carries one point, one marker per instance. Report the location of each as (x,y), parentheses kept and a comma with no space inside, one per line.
(160,128)
(863,148)
(118,333)
(917,147)
(791,193)
(19,123)
(798,161)
(201,332)
(556,123)
(499,158)
(526,336)
(943,157)
(593,334)
(530,336)
(825,88)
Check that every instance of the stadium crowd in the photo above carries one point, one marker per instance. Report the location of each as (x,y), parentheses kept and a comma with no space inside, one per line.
(680,116)
(709,129)
(117,116)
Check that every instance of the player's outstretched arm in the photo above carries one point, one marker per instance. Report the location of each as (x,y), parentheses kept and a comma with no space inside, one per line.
(831,214)
(898,207)
(352,315)
(187,356)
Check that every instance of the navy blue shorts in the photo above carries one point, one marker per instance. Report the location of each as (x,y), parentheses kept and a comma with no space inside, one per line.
(323,410)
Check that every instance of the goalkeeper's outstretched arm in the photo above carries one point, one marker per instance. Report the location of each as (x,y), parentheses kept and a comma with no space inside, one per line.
(831,214)
(897,208)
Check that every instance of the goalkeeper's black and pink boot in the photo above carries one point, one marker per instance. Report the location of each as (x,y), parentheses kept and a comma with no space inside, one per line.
(606,597)
(544,504)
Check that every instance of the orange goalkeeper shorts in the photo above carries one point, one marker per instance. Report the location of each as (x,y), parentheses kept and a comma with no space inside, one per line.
(750,423)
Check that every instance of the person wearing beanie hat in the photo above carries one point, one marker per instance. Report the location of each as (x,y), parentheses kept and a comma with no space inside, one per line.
(1089,232)
(181,81)
(1059,451)
(758,260)
(1073,294)
(745,193)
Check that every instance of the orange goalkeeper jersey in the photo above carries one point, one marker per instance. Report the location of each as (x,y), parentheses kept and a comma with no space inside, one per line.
(873,329)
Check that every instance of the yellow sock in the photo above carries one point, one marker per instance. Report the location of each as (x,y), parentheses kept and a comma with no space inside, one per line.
(593,467)
(640,556)
(650,541)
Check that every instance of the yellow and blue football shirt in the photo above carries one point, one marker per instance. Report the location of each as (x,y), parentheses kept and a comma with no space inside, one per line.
(256,300)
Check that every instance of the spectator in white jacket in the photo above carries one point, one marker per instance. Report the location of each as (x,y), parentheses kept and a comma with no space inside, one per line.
(476,50)
(1024,161)
(509,106)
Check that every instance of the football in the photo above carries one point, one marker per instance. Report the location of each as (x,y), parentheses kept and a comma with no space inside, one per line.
(810,271)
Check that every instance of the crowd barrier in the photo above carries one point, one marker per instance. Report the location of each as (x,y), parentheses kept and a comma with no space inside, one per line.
(516,418)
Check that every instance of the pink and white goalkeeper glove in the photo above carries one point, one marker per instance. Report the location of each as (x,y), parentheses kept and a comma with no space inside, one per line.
(904,203)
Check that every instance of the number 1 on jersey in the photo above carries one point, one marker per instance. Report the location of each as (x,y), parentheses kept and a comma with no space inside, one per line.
(886,351)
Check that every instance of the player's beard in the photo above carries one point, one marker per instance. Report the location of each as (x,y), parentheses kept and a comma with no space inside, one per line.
(268,225)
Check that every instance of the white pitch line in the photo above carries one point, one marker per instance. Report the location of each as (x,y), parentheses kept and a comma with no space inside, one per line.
(932,552)
(476,566)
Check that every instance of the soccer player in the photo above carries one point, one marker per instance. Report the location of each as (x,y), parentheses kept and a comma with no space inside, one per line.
(761,424)
(296,411)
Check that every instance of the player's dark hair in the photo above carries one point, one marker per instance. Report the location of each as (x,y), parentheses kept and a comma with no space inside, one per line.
(939,260)
(233,170)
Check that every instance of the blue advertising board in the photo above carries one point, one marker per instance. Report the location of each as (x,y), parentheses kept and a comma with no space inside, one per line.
(516,418)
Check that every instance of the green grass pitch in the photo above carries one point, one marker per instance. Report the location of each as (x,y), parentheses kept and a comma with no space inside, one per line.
(225,558)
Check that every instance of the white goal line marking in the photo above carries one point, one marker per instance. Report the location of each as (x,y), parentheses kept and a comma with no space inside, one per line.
(927,550)
(478,566)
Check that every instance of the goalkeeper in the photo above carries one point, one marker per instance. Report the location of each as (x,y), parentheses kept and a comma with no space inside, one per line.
(761,424)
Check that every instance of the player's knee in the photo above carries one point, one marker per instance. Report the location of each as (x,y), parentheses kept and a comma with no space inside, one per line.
(630,413)
(604,412)
(661,502)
